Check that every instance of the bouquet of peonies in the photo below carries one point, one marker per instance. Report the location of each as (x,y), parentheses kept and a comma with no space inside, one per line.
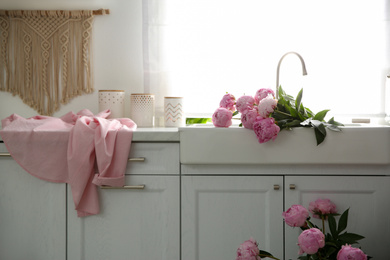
(267,116)
(313,241)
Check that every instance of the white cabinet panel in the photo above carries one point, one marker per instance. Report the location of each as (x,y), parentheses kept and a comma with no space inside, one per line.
(221,212)
(32,215)
(133,224)
(367,198)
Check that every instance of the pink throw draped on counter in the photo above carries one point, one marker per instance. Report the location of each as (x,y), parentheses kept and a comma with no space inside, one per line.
(68,148)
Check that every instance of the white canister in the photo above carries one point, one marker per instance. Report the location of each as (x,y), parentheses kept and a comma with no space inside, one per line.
(113,100)
(142,109)
(173,110)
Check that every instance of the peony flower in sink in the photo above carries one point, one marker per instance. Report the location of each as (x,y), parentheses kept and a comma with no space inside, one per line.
(267,106)
(228,101)
(244,104)
(266,129)
(263,93)
(249,118)
(222,117)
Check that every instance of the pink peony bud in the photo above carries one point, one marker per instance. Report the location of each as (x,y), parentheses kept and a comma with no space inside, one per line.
(249,118)
(222,117)
(266,129)
(245,103)
(310,240)
(263,93)
(248,251)
(322,206)
(267,106)
(296,216)
(228,101)
(350,253)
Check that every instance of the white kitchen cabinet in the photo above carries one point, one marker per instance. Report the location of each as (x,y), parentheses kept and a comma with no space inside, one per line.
(32,214)
(134,224)
(366,196)
(221,212)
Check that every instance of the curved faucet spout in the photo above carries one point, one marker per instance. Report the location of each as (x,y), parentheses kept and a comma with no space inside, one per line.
(304,72)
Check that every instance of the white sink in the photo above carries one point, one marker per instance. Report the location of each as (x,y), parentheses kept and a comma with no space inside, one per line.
(235,145)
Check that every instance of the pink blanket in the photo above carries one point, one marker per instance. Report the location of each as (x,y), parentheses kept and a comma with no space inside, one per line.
(69,149)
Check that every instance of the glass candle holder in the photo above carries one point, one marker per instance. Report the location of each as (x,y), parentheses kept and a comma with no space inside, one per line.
(142,109)
(113,100)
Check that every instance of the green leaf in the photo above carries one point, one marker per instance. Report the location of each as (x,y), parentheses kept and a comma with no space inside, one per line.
(343,221)
(321,115)
(235,113)
(333,128)
(265,253)
(191,121)
(320,133)
(350,238)
(298,100)
(333,122)
(333,226)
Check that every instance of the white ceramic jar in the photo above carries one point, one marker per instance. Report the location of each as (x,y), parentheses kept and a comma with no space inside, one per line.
(173,112)
(142,109)
(113,100)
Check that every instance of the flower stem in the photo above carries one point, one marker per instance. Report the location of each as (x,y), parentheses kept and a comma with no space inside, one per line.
(323,224)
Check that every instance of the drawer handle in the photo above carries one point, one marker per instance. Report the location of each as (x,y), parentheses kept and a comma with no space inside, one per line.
(276,187)
(292,186)
(137,159)
(126,187)
(5,155)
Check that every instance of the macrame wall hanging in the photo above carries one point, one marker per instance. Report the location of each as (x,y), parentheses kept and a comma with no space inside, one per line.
(46,56)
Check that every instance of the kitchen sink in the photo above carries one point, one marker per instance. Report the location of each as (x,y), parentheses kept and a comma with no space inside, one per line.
(355,144)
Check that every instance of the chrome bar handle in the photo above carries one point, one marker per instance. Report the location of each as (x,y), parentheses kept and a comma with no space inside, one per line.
(5,155)
(137,159)
(126,187)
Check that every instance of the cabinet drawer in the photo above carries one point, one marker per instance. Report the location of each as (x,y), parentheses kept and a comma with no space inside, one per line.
(154,158)
(3,149)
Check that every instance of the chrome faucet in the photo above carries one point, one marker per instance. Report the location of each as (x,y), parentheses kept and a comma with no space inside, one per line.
(304,72)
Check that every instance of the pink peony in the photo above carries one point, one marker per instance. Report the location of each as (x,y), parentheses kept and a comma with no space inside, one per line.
(310,240)
(228,101)
(296,216)
(222,117)
(248,251)
(322,206)
(249,118)
(263,93)
(267,106)
(245,103)
(266,129)
(350,253)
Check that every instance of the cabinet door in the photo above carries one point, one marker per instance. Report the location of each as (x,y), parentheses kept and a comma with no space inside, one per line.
(221,212)
(367,198)
(139,224)
(32,215)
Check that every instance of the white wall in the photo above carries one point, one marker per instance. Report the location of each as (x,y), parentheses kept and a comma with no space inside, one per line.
(117,45)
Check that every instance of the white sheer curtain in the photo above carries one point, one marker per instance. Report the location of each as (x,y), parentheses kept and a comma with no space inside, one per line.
(201,49)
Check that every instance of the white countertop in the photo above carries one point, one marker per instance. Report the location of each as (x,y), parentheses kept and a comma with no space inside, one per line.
(156,134)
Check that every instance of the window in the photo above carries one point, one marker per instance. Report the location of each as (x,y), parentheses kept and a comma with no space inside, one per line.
(201,49)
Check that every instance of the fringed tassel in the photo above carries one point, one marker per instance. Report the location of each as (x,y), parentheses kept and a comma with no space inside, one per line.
(45,56)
